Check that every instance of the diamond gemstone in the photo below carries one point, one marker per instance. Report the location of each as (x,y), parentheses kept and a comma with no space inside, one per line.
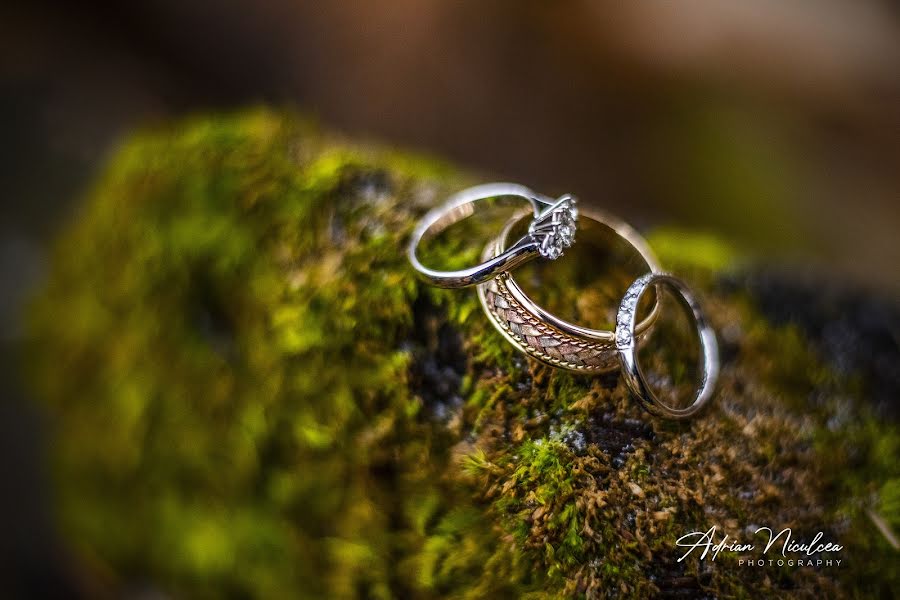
(556,231)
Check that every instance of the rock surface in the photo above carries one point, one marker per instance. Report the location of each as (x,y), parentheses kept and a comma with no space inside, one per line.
(254,397)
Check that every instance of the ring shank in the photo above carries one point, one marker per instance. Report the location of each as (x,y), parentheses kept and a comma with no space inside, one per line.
(459,207)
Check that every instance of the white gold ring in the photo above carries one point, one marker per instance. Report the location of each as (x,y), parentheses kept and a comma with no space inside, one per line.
(551,231)
(625,344)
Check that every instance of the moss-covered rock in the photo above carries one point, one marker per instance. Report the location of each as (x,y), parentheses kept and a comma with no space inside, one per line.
(254,397)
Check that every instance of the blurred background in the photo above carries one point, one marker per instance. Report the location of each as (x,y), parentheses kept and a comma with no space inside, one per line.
(773,125)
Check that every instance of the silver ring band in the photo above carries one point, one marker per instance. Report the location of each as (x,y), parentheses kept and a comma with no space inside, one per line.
(551,231)
(625,343)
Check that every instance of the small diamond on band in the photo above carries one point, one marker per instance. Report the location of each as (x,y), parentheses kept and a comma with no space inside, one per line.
(623,337)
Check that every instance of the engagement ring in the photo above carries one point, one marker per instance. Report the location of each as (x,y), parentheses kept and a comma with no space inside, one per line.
(551,231)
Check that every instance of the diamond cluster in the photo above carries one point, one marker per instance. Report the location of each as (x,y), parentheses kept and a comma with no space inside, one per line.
(554,231)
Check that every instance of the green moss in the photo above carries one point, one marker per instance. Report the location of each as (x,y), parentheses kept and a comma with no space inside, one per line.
(242,368)
(889,501)
(543,483)
(678,249)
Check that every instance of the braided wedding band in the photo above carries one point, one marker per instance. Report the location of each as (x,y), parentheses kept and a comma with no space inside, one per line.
(546,337)
(538,339)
